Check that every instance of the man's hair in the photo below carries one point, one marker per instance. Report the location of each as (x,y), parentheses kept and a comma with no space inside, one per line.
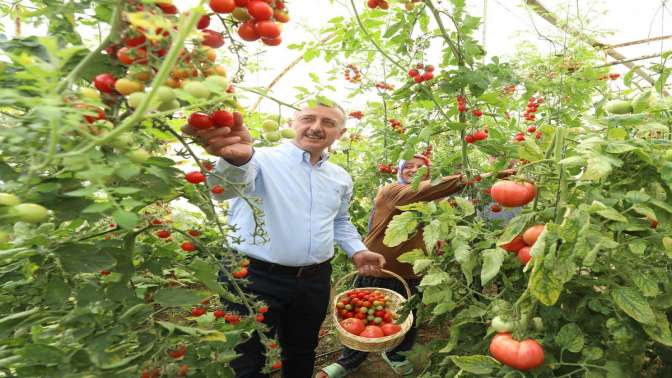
(323,102)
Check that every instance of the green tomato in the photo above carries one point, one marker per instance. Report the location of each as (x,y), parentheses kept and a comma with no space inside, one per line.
(348,307)
(501,325)
(218,80)
(30,212)
(371,311)
(370,318)
(197,89)
(618,107)
(165,94)
(269,125)
(123,141)
(170,105)
(138,156)
(363,310)
(135,98)
(377,320)
(288,133)
(8,199)
(273,136)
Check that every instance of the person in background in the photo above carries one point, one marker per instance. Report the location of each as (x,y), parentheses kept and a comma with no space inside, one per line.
(386,204)
(305,202)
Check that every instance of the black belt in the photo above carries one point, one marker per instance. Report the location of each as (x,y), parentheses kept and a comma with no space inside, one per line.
(296,271)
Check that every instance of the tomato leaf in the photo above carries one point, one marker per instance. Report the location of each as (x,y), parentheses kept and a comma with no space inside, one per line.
(83,258)
(432,234)
(659,330)
(175,296)
(476,364)
(206,273)
(465,257)
(400,228)
(410,256)
(492,262)
(633,304)
(126,219)
(570,338)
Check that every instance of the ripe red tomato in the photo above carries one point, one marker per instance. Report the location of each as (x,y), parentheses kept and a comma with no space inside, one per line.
(194,233)
(163,234)
(135,41)
(105,272)
(219,314)
(259,10)
(217,189)
(197,311)
(260,317)
(212,38)
(232,318)
(188,246)
(372,331)
(248,32)
(180,351)
(195,177)
(222,118)
(513,194)
(524,255)
(276,365)
(495,208)
(242,3)
(200,120)
(104,83)
(480,135)
(124,57)
(469,138)
(203,22)
(267,29)
(427,76)
(167,8)
(514,245)
(272,41)
(532,234)
(263,310)
(522,355)
(360,315)
(222,6)
(390,328)
(353,325)
(240,273)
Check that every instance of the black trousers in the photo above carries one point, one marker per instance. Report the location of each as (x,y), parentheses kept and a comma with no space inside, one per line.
(297,307)
(350,359)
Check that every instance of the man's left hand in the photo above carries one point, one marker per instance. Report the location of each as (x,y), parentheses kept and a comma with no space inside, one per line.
(368,263)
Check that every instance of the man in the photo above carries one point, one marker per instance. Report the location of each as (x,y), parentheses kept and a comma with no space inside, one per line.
(305,201)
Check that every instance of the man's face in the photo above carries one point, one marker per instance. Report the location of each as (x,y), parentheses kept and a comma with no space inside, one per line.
(411,168)
(317,128)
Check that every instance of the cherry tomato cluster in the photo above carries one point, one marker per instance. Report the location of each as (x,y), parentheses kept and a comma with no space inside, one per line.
(369,306)
(352,73)
(461,104)
(358,114)
(242,271)
(395,124)
(476,136)
(522,244)
(382,4)
(611,76)
(419,77)
(216,119)
(260,19)
(385,86)
(428,152)
(385,168)
(532,107)
(476,112)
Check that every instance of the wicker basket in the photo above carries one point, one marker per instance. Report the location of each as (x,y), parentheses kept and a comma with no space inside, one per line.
(366,344)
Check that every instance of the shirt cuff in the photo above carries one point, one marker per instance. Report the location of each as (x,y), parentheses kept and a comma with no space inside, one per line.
(352,246)
(232,172)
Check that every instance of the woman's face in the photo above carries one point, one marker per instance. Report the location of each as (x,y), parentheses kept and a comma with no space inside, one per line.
(410,169)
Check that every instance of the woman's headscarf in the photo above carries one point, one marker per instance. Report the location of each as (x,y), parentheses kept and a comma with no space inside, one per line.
(400,167)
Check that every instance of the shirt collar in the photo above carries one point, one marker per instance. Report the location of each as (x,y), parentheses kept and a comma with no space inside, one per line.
(300,155)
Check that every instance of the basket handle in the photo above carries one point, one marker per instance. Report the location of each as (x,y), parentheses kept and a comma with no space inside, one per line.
(349,275)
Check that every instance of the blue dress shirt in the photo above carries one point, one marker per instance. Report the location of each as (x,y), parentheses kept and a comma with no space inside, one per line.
(305,206)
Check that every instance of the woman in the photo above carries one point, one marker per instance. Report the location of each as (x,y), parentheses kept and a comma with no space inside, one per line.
(387,200)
